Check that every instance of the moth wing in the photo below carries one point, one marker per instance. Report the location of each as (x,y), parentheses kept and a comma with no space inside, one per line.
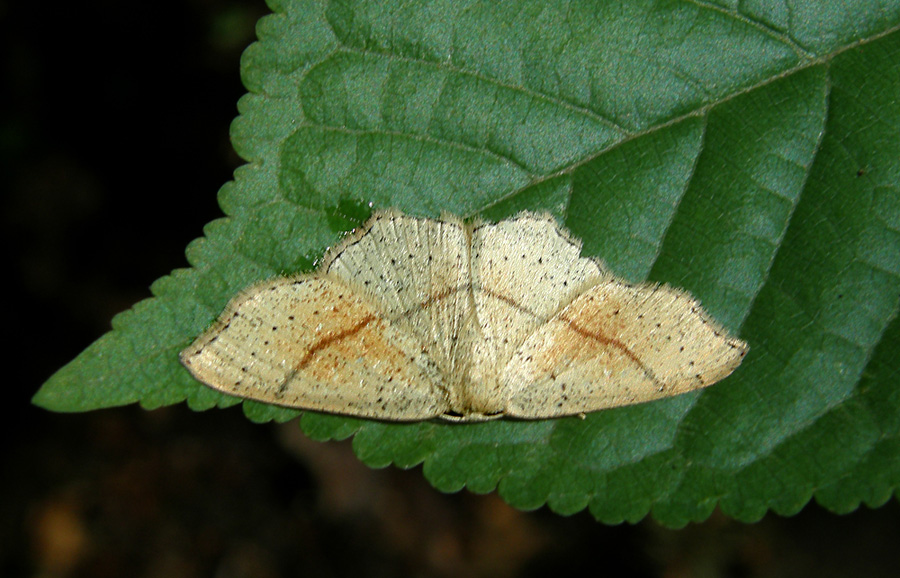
(416,272)
(618,344)
(524,270)
(312,343)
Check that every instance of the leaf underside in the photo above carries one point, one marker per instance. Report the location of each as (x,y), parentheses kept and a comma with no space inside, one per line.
(750,157)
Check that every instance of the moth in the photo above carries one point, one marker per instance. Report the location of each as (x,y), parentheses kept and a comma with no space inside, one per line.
(412,318)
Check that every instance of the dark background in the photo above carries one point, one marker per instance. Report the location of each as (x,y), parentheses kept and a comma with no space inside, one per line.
(113,143)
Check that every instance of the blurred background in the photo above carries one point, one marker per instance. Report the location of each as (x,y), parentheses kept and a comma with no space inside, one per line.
(113,142)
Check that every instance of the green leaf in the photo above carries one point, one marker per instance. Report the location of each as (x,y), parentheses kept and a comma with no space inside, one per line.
(749,154)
